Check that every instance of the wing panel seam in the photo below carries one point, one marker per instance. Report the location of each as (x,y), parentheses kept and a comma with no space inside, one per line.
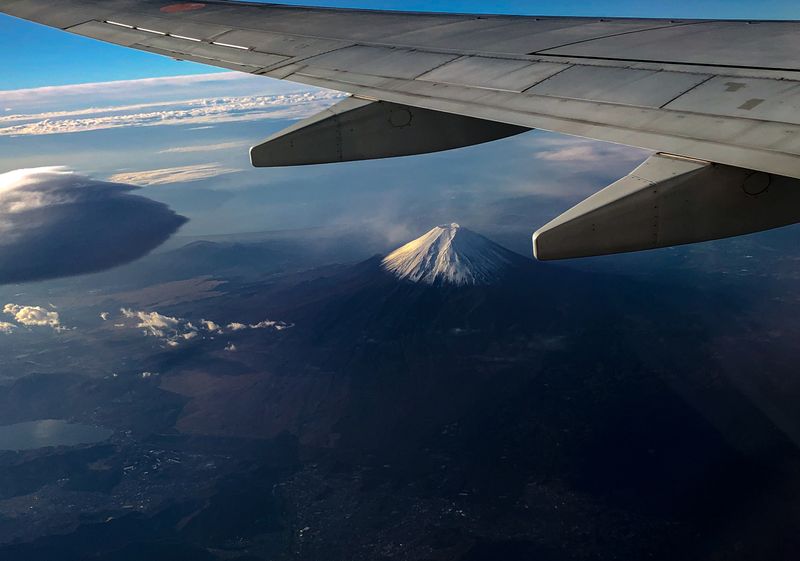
(680,95)
(620,34)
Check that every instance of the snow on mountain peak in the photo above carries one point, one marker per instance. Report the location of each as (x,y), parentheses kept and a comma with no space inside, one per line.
(449,254)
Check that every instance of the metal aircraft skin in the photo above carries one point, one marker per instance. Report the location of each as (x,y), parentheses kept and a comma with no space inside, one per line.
(718,102)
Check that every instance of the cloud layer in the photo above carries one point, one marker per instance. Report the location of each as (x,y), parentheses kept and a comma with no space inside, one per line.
(180,174)
(201,111)
(56,223)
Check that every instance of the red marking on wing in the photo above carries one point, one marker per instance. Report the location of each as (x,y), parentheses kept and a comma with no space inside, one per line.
(184,7)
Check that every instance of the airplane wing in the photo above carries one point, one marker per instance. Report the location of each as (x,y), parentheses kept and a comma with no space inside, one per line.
(718,102)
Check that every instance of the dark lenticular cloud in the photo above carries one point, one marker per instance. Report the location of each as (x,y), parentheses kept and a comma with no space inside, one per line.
(57,223)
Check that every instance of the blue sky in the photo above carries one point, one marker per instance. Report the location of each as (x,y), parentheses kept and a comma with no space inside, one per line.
(33,56)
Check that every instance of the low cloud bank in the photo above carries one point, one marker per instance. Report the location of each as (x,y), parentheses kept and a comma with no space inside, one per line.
(57,223)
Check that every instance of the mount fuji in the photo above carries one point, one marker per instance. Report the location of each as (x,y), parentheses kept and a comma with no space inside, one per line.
(450,254)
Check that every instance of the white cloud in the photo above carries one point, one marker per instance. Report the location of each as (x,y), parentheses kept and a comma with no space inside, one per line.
(170,330)
(97,224)
(165,176)
(173,330)
(33,316)
(144,91)
(104,316)
(92,89)
(266,324)
(153,323)
(196,112)
(270,324)
(7,328)
(210,326)
(205,148)
(231,348)
(581,151)
(584,153)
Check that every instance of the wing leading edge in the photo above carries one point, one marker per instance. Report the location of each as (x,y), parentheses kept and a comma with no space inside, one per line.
(724,93)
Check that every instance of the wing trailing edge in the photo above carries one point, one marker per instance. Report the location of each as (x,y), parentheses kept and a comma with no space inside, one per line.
(667,201)
(360,129)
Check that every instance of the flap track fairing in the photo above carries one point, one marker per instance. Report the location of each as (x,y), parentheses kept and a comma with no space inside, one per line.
(667,201)
(359,129)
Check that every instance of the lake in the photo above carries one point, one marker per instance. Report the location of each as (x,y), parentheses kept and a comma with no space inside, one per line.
(49,432)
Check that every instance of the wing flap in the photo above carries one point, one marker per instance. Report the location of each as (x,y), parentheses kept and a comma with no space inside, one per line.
(202,60)
(282,44)
(748,98)
(767,44)
(117,34)
(178,46)
(64,15)
(381,61)
(627,86)
(493,73)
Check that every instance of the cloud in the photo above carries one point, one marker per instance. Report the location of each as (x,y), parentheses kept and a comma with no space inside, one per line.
(144,91)
(581,151)
(104,316)
(173,330)
(231,348)
(205,148)
(196,112)
(270,324)
(153,323)
(7,328)
(172,175)
(56,223)
(210,326)
(119,87)
(33,316)
(584,153)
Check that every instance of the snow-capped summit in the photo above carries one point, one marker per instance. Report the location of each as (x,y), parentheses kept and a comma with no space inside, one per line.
(449,254)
